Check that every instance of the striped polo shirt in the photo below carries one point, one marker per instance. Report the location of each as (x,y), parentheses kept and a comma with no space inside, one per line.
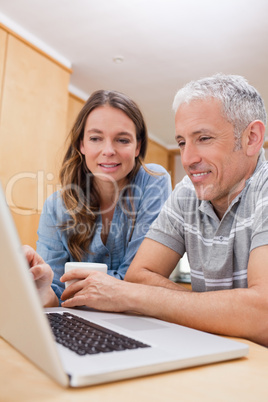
(217,250)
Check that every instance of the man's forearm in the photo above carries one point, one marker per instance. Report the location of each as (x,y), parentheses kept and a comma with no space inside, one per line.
(146,277)
(232,312)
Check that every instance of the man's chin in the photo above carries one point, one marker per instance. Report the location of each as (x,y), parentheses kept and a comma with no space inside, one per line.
(204,193)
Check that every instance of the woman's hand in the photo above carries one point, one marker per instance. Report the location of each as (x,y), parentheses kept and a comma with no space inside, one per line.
(96,290)
(43,276)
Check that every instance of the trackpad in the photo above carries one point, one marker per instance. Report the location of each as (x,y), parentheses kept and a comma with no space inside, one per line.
(135,323)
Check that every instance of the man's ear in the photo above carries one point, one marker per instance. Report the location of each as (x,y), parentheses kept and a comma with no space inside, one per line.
(254,137)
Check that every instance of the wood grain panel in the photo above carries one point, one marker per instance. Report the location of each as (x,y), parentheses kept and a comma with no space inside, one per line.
(33,131)
(75,104)
(156,153)
(33,126)
(3,40)
(27,226)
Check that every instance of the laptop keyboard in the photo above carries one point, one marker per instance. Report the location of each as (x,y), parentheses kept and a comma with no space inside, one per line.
(84,337)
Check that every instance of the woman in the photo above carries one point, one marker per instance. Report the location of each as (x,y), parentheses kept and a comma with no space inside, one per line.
(109,197)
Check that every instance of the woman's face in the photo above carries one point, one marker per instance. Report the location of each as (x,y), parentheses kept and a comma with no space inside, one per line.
(109,144)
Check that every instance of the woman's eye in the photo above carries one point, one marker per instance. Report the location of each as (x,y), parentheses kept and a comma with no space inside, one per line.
(94,139)
(124,140)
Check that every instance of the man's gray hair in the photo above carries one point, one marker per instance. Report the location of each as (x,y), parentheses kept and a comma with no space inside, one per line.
(241,102)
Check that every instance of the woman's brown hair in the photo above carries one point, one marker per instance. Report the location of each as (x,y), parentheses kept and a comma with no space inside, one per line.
(79,192)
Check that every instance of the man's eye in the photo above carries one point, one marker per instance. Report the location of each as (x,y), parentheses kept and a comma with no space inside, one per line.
(203,139)
(181,144)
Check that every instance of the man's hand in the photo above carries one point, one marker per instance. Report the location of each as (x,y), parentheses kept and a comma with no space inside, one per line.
(43,276)
(97,290)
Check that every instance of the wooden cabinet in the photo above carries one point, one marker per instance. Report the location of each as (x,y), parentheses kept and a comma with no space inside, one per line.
(75,104)
(34,101)
(156,153)
(3,40)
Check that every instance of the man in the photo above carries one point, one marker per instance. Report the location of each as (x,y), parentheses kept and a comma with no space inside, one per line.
(218,214)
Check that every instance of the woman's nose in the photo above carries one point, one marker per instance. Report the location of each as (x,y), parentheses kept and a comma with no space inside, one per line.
(108,148)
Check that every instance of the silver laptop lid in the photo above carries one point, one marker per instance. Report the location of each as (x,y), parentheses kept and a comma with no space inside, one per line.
(22,321)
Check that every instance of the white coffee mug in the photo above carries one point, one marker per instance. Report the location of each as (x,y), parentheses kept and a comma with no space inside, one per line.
(90,266)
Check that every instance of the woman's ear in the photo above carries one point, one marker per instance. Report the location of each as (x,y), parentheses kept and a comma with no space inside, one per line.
(254,137)
(82,148)
(138,149)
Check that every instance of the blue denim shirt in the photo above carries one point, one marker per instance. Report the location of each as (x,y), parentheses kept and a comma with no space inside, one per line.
(150,192)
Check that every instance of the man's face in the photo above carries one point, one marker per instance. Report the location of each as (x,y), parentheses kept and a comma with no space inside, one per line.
(206,140)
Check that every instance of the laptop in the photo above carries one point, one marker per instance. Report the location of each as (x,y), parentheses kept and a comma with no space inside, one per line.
(158,346)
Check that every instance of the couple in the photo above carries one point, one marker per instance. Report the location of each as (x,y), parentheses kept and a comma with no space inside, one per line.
(217,214)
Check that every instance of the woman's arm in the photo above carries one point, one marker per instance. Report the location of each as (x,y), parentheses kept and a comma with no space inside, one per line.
(51,244)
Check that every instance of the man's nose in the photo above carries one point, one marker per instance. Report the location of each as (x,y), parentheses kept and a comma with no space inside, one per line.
(190,155)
